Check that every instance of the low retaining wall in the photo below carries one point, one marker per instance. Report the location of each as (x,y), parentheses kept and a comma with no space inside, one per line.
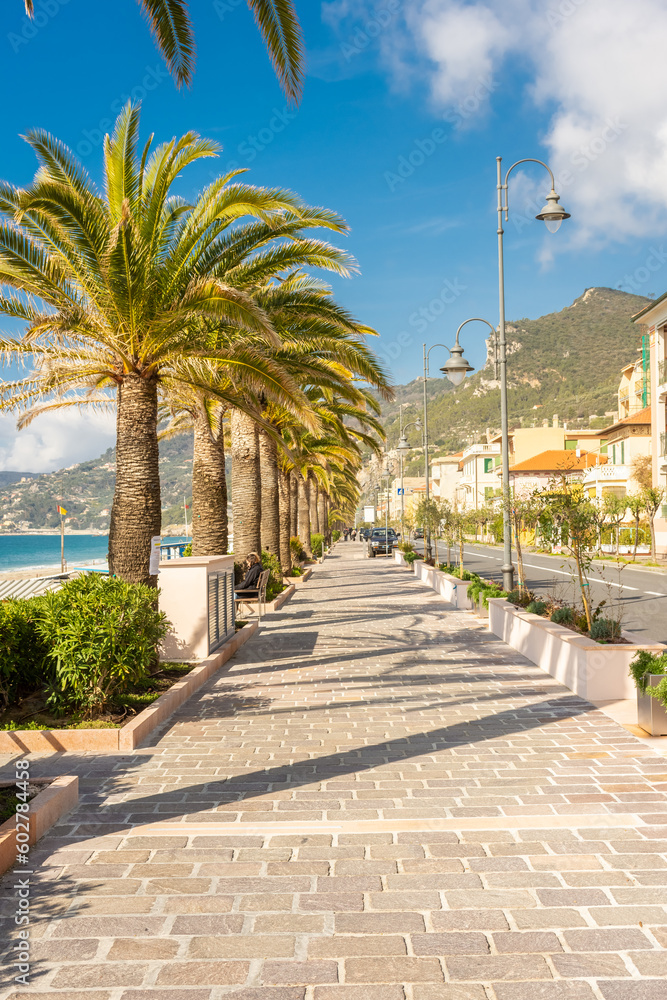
(57,798)
(452,589)
(135,732)
(594,671)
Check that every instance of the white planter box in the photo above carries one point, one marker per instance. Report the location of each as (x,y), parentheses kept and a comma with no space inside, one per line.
(593,671)
(449,587)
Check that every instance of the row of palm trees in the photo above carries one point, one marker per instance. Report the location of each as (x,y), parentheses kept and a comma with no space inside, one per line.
(197,315)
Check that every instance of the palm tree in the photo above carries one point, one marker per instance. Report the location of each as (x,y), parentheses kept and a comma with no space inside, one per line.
(115,289)
(170,25)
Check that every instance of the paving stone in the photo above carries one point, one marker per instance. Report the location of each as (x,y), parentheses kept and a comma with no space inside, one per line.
(648,989)
(306,973)
(497,967)
(516,944)
(393,970)
(203,973)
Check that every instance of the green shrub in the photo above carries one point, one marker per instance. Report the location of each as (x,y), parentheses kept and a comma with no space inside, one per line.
(22,652)
(492,592)
(405,547)
(274,585)
(317,545)
(101,634)
(644,664)
(521,598)
(605,630)
(335,535)
(410,557)
(563,616)
(187,551)
(537,607)
(296,548)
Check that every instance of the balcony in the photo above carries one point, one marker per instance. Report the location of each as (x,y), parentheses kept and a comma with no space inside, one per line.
(662,379)
(607,473)
(481,449)
(663,444)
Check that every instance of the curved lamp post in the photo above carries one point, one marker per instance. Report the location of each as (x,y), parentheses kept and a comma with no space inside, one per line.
(462,368)
(552,215)
(403,448)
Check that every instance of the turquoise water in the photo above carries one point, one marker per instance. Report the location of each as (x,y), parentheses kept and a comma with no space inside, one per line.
(18,552)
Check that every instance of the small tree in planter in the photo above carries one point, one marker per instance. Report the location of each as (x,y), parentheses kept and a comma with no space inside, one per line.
(569,518)
(524,510)
(428,516)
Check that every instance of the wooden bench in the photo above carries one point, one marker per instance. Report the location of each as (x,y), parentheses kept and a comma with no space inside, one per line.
(259,600)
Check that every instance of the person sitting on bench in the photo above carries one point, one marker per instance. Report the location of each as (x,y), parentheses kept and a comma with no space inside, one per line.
(248,586)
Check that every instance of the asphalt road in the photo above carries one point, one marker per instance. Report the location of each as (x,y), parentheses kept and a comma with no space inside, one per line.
(640,594)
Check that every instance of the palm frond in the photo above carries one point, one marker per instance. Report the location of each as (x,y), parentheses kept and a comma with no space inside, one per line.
(171,28)
(279,25)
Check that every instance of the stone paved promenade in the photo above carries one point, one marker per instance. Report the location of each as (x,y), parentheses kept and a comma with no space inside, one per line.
(377,801)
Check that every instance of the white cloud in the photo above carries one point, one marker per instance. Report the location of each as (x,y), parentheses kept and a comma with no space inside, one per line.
(54,441)
(598,68)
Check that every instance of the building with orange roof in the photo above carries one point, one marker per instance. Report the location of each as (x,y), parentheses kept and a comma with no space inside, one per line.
(539,470)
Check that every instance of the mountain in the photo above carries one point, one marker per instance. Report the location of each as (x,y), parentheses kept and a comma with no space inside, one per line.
(15,477)
(86,491)
(567,363)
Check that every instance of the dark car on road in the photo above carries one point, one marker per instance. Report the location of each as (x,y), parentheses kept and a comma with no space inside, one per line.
(383,542)
(419,533)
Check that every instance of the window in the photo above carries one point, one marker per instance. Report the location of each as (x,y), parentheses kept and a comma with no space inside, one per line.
(571,445)
(488,490)
(488,465)
(622,452)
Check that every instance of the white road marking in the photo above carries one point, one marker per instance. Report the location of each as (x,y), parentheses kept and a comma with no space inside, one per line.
(562,572)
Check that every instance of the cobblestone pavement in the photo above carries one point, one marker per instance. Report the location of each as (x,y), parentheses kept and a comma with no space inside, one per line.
(378,801)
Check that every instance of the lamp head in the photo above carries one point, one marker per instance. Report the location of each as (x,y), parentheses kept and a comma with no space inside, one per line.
(403,445)
(418,424)
(553,213)
(457,367)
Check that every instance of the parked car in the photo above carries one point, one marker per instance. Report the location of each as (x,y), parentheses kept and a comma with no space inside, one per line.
(383,542)
(419,532)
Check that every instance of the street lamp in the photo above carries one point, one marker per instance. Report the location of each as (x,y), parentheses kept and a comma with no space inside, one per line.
(459,369)
(552,215)
(403,448)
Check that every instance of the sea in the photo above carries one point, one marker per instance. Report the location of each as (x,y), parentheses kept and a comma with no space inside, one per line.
(23,552)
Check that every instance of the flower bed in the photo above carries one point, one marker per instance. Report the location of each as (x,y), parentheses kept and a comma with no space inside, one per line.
(129,736)
(590,669)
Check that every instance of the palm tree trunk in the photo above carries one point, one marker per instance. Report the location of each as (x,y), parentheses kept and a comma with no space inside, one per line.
(304,515)
(246,487)
(136,514)
(210,528)
(284,505)
(268,467)
(322,513)
(294,503)
(314,512)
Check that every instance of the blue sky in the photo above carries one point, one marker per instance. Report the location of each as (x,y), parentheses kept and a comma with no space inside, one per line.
(406,106)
